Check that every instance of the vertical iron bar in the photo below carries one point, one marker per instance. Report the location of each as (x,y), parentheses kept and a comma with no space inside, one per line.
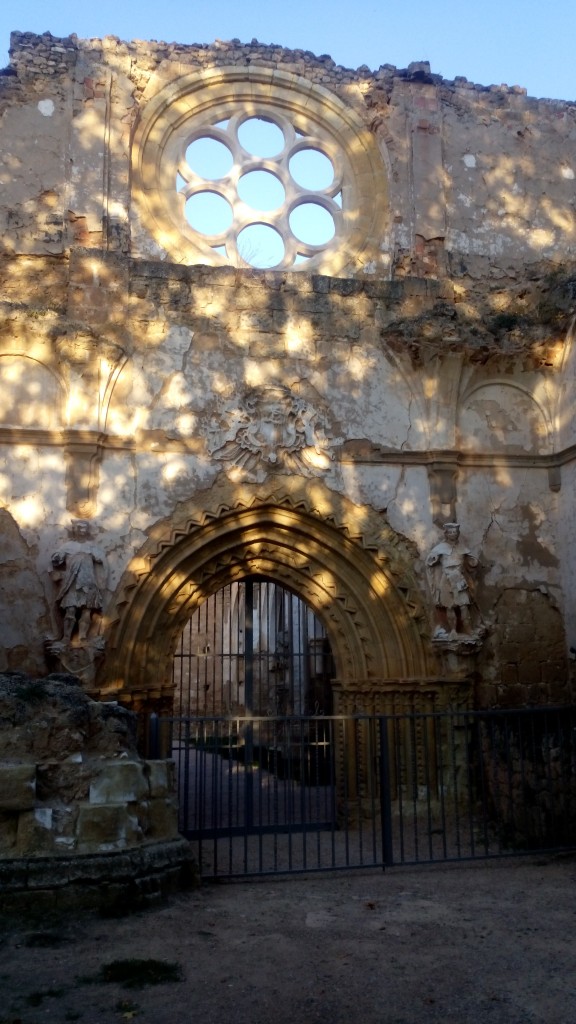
(385,795)
(455,787)
(512,817)
(470,795)
(398,736)
(442,787)
(426,766)
(546,744)
(200,707)
(482,769)
(249,697)
(184,782)
(414,783)
(307,652)
(562,794)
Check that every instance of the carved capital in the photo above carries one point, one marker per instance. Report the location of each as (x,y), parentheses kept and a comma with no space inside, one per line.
(401,696)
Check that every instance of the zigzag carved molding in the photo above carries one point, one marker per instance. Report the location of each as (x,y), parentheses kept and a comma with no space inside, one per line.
(394,555)
(344,560)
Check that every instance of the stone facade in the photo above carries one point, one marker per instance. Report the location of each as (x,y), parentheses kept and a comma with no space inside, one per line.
(316,424)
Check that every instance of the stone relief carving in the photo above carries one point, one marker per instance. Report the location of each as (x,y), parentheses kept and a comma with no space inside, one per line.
(79,571)
(271,428)
(450,569)
(79,567)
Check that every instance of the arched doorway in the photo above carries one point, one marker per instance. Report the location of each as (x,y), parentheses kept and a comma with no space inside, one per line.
(344,562)
(252,773)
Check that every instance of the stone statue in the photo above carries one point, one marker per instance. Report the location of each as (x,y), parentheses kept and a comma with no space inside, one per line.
(80,569)
(449,567)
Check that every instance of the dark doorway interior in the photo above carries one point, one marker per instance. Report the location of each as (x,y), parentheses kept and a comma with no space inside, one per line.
(253,647)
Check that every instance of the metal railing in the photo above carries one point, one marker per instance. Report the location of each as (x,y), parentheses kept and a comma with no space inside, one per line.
(265,795)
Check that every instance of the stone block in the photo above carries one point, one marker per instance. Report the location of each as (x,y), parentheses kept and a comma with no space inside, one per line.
(103,828)
(65,781)
(558,691)
(17,786)
(162,818)
(35,837)
(510,674)
(119,782)
(161,776)
(8,832)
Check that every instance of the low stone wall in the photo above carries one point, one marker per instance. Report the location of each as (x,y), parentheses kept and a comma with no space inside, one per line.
(113,883)
(79,809)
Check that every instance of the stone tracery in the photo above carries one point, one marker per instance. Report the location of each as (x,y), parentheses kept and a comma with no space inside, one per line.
(239,211)
(214,106)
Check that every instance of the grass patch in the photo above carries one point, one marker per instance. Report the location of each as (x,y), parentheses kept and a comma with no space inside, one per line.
(127,1008)
(134,973)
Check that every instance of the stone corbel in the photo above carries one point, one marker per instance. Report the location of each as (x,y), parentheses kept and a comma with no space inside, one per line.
(555,478)
(83,453)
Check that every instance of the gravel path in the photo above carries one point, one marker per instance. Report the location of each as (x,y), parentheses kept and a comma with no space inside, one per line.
(491,943)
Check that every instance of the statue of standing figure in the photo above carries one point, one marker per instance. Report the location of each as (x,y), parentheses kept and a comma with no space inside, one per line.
(449,567)
(81,571)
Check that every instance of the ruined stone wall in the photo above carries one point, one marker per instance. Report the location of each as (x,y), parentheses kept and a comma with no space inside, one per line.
(431,371)
(77,799)
(71,779)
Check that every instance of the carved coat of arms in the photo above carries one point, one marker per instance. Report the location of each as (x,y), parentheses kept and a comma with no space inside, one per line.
(271,428)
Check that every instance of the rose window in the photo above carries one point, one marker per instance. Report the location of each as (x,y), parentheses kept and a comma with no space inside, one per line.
(253,167)
(259,192)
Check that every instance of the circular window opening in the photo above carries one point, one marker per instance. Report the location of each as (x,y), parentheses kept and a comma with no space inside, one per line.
(261,190)
(312,224)
(311,169)
(260,246)
(209,158)
(208,213)
(261,137)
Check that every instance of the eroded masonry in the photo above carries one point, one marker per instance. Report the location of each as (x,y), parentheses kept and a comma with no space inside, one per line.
(267,320)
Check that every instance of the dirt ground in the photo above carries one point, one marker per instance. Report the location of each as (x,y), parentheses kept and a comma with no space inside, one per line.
(491,943)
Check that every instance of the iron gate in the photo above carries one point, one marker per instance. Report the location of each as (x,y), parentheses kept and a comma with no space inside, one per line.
(252,662)
(270,794)
(270,780)
(253,647)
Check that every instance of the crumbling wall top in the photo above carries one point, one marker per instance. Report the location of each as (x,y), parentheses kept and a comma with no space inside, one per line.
(45,54)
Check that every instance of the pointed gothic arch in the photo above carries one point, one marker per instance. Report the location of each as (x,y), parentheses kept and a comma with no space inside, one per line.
(344,561)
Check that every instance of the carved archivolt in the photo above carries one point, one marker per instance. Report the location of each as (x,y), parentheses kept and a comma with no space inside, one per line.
(343,560)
